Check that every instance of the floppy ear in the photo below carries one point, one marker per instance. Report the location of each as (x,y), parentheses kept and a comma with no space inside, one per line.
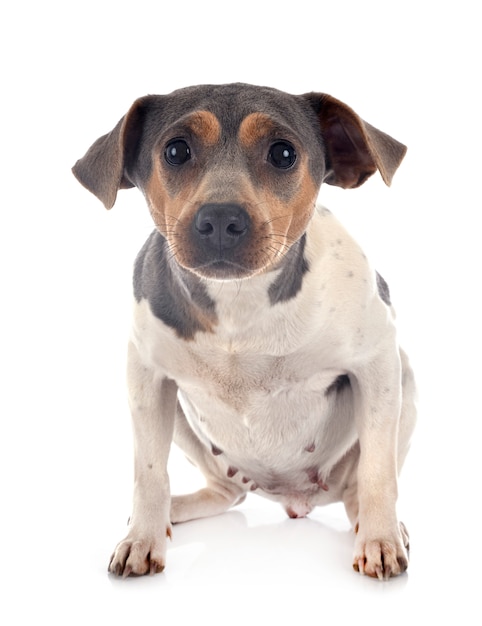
(355,149)
(102,170)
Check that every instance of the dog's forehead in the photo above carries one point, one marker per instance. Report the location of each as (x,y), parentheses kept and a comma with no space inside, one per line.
(232,103)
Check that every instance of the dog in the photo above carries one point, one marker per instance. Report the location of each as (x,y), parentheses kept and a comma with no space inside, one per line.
(263,342)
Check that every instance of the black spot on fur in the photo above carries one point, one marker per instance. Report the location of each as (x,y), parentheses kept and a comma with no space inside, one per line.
(294,267)
(340,383)
(175,296)
(216,451)
(383,290)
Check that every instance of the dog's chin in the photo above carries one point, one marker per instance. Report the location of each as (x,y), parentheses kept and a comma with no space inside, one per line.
(223,271)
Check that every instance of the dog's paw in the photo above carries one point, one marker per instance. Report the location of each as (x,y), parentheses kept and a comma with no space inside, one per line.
(137,555)
(381,557)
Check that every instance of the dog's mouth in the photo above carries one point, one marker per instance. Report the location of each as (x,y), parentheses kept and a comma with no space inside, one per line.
(222,243)
(222,269)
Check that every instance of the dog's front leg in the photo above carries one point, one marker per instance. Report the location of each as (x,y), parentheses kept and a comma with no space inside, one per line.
(379,546)
(153,404)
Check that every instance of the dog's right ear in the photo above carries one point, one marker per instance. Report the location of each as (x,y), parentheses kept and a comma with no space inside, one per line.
(102,170)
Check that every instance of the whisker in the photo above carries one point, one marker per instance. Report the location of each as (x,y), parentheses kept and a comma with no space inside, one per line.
(273,219)
(279,242)
(172,217)
(290,240)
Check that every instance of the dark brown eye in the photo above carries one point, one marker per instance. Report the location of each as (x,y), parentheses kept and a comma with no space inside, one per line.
(177,152)
(282,155)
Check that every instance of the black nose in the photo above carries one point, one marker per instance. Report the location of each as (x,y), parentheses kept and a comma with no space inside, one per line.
(221,226)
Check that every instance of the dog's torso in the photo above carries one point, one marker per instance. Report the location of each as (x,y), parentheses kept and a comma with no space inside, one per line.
(266,388)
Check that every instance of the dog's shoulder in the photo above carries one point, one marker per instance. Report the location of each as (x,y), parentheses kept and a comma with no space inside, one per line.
(332,254)
(341,273)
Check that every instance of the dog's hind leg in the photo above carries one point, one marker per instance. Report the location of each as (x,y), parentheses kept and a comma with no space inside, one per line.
(220,493)
(206,502)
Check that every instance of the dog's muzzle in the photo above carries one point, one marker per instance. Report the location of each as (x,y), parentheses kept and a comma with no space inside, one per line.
(218,234)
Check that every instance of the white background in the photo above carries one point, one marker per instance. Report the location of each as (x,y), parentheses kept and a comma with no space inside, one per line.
(69,72)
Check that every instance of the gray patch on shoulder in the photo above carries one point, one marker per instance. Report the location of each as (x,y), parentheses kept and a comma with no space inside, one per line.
(289,281)
(177,297)
(383,290)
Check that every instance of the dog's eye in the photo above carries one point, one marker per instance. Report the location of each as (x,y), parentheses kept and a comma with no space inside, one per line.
(282,155)
(177,152)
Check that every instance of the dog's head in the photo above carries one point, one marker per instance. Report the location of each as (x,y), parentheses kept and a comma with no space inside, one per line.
(231,172)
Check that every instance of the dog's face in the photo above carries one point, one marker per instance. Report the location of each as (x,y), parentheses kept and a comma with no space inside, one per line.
(233,180)
(231,173)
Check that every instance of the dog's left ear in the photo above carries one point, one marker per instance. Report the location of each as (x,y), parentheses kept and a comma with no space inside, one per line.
(355,149)
(103,169)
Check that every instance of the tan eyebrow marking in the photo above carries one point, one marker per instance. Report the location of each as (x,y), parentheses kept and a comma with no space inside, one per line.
(254,127)
(206,126)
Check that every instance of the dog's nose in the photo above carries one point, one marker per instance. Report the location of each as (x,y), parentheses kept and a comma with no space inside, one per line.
(222,226)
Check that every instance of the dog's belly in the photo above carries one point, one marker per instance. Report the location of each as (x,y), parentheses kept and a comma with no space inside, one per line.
(278,437)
